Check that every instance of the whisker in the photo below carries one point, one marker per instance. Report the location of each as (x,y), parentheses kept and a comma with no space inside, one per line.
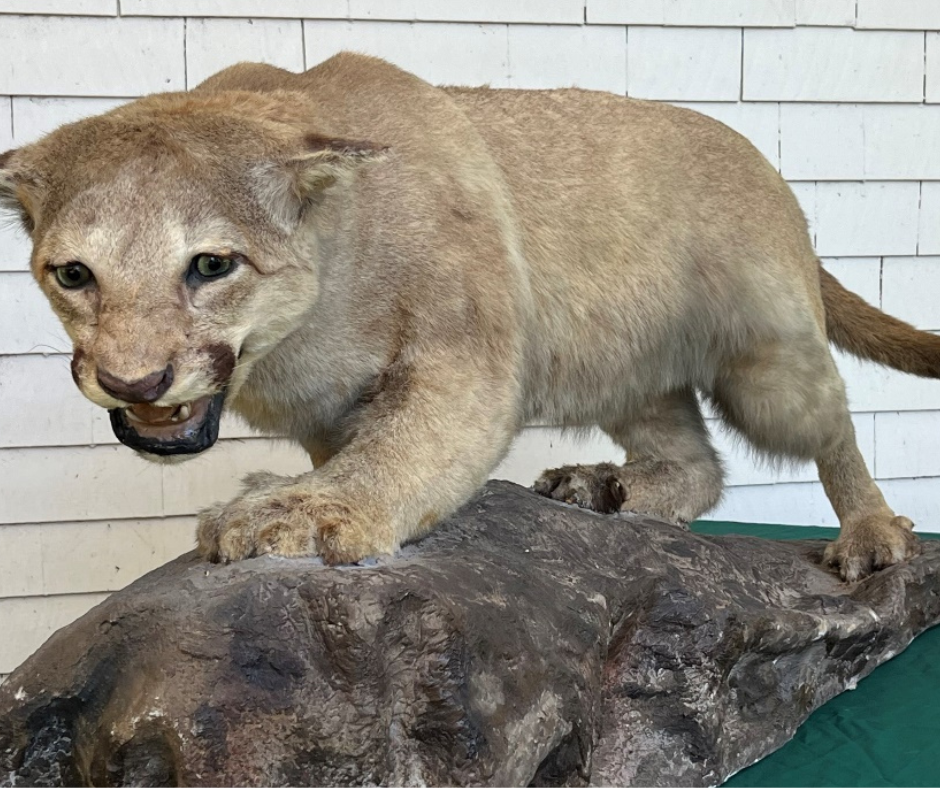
(49,350)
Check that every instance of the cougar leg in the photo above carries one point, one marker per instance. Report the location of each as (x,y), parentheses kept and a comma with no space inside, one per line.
(672,471)
(787,398)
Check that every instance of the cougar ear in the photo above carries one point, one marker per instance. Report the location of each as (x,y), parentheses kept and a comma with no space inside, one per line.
(18,190)
(326,160)
(322,162)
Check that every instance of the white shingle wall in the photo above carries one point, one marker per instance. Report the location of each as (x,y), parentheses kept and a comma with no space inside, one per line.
(843,96)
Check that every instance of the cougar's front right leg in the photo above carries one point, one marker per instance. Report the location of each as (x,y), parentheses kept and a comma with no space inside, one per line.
(672,472)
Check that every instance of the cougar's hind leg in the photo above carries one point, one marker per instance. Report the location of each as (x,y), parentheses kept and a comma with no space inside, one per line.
(788,399)
(672,471)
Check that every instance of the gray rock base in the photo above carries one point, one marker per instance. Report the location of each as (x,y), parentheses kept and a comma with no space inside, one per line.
(523,642)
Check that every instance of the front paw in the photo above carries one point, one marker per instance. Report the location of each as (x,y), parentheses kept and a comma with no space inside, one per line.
(595,487)
(279,516)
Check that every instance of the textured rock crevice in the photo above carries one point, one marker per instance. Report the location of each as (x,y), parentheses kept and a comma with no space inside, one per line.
(522,642)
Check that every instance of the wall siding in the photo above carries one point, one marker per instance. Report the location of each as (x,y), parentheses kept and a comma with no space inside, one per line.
(841,96)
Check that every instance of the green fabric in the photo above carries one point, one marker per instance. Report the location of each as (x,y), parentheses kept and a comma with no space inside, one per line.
(885,732)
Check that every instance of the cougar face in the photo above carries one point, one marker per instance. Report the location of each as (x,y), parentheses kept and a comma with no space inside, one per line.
(162,245)
(160,297)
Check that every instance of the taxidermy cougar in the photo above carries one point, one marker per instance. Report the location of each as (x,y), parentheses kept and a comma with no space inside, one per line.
(400,277)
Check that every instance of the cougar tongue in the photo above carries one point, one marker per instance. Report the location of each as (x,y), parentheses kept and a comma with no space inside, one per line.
(151,414)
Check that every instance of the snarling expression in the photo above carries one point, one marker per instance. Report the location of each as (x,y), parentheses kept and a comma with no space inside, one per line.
(162,233)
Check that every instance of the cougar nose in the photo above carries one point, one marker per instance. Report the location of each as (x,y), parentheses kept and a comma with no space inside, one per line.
(147,389)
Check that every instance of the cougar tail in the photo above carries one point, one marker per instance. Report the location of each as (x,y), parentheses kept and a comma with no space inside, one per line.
(864,331)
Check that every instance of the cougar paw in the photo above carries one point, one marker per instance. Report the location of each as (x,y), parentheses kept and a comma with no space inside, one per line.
(595,487)
(280,517)
(872,544)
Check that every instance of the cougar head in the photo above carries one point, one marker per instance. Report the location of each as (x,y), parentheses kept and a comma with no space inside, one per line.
(179,239)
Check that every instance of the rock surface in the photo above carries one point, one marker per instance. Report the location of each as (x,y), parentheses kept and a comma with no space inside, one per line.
(523,642)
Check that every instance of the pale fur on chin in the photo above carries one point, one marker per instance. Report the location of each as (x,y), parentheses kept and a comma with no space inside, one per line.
(424,270)
(168,459)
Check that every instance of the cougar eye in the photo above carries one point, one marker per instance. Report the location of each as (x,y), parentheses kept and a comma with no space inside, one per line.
(73,275)
(210,266)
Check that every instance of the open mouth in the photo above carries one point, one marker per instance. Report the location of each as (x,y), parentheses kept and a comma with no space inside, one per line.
(189,428)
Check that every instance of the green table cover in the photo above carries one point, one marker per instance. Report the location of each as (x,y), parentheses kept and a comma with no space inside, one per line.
(885,732)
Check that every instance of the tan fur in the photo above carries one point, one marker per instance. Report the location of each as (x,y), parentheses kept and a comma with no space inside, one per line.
(856,326)
(429,269)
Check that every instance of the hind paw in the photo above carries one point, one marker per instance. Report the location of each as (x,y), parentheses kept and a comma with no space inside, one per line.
(872,544)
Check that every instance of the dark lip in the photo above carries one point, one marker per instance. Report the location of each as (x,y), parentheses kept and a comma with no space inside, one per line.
(194,440)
